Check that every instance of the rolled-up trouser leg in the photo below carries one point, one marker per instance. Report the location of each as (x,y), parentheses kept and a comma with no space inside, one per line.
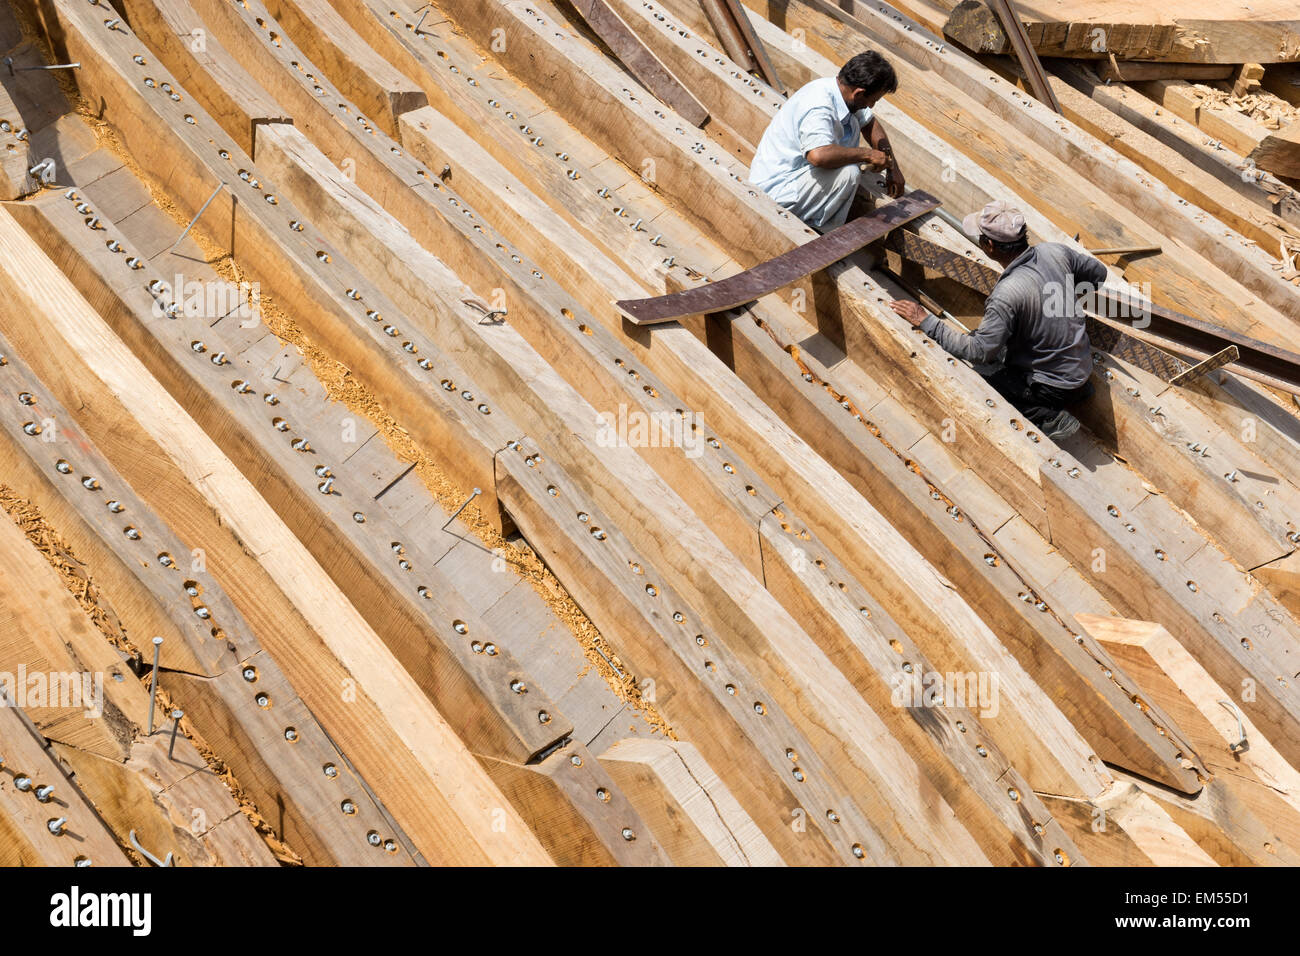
(825,195)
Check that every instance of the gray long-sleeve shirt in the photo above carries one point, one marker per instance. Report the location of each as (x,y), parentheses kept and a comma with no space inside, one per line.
(1032,311)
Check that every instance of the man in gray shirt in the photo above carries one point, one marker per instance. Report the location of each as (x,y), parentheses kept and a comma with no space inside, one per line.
(1033,313)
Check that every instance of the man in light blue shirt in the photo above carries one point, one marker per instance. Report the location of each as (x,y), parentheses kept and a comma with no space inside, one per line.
(809,158)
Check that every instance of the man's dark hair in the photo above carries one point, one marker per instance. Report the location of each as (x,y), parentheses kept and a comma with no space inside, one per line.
(1013,248)
(871,72)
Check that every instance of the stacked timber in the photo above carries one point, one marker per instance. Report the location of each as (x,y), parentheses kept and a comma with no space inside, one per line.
(1228,70)
(808,591)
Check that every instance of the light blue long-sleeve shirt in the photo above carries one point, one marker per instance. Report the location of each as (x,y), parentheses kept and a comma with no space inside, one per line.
(816,115)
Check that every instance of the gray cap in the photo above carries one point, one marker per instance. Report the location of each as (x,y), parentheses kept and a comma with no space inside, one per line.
(999,221)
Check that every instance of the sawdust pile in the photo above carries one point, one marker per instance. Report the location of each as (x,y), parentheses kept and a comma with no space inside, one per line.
(1269,111)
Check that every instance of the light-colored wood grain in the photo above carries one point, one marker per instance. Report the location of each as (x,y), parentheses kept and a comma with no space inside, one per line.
(49,649)
(537,393)
(476,164)
(200,62)
(1191,31)
(25,820)
(428,747)
(681,798)
(1258,775)
(378,89)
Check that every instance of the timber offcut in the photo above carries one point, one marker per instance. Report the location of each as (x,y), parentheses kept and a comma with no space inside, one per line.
(430,436)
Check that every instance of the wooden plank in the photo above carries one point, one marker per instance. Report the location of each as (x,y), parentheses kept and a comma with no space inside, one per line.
(14,152)
(683,799)
(457,828)
(26,821)
(537,393)
(201,63)
(703,69)
(640,60)
(1134,71)
(378,89)
(1172,677)
(1253,797)
(165,806)
(1190,31)
(547,792)
(1277,151)
(1257,187)
(1236,497)
(45,636)
(1282,578)
(1130,829)
(174,804)
(1255,642)
(533,216)
(1161,160)
(276,772)
(1221,825)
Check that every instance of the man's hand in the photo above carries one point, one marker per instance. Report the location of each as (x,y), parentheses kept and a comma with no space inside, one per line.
(914,312)
(874,158)
(894,181)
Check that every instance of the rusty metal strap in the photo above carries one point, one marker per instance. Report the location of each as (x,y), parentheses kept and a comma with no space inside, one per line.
(767,277)
(762,63)
(641,60)
(1258,360)
(971,273)
(1005,11)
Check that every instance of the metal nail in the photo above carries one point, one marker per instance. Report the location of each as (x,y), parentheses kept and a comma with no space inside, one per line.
(153,696)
